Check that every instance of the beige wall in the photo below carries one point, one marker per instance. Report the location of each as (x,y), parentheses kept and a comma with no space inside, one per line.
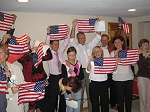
(140,30)
(36,23)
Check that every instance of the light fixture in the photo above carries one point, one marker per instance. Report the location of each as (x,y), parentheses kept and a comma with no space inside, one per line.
(23,1)
(131,10)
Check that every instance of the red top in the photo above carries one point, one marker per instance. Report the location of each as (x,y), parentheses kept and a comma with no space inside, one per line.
(30,72)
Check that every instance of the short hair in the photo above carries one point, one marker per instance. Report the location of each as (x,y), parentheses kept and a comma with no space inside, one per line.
(122,40)
(71,49)
(51,41)
(142,41)
(105,35)
(80,33)
(73,82)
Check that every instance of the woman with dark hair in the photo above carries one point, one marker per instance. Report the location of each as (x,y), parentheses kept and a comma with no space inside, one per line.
(71,68)
(144,75)
(122,76)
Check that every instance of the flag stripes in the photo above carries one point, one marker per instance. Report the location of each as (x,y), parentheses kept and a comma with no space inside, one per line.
(6,22)
(40,54)
(86,25)
(27,93)
(58,32)
(132,57)
(109,65)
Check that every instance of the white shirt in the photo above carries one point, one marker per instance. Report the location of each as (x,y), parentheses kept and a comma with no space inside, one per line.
(96,77)
(122,73)
(106,52)
(51,66)
(84,51)
(17,78)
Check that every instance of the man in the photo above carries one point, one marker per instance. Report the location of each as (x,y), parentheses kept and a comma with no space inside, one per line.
(107,48)
(50,102)
(83,53)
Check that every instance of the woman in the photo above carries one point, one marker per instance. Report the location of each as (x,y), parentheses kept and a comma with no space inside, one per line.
(15,79)
(144,75)
(98,86)
(122,77)
(72,68)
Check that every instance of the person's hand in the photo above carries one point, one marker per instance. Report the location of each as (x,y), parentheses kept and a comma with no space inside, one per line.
(98,33)
(15,89)
(74,23)
(99,18)
(7,71)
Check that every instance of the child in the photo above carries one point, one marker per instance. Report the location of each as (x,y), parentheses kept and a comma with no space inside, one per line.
(3,79)
(72,68)
(98,85)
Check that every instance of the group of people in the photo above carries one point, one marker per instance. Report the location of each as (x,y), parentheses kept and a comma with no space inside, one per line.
(70,71)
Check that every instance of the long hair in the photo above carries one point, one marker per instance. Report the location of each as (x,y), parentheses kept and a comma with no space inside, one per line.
(122,40)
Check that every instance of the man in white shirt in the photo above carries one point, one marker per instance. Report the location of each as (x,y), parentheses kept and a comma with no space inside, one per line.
(50,102)
(83,53)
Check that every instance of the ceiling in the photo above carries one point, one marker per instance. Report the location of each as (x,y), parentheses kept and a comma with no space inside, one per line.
(81,7)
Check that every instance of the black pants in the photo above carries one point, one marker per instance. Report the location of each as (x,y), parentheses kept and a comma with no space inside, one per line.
(124,95)
(50,102)
(112,91)
(99,90)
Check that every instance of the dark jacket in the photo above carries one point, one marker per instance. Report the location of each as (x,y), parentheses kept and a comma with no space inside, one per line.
(143,67)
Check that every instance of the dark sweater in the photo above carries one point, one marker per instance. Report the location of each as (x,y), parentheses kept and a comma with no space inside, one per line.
(143,66)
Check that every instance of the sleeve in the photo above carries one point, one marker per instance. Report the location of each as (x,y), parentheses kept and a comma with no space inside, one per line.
(48,55)
(81,74)
(94,42)
(64,71)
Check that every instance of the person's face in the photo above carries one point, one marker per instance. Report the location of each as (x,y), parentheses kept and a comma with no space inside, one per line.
(104,41)
(3,56)
(118,44)
(71,55)
(81,39)
(145,46)
(98,52)
(55,45)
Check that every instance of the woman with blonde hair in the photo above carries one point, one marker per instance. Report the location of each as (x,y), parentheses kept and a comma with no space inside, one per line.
(98,86)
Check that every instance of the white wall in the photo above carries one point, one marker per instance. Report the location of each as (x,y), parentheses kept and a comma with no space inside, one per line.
(140,28)
(36,23)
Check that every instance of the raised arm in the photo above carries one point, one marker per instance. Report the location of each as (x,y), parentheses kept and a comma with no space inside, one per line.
(95,41)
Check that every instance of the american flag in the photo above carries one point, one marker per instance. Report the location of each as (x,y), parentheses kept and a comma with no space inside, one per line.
(105,65)
(86,25)
(31,91)
(58,32)
(3,81)
(22,39)
(17,48)
(128,57)
(40,54)
(123,25)
(6,21)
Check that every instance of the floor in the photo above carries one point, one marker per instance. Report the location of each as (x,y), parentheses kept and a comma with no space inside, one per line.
(135,107)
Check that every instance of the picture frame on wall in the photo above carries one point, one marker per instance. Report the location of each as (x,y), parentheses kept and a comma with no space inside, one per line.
(113,30)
